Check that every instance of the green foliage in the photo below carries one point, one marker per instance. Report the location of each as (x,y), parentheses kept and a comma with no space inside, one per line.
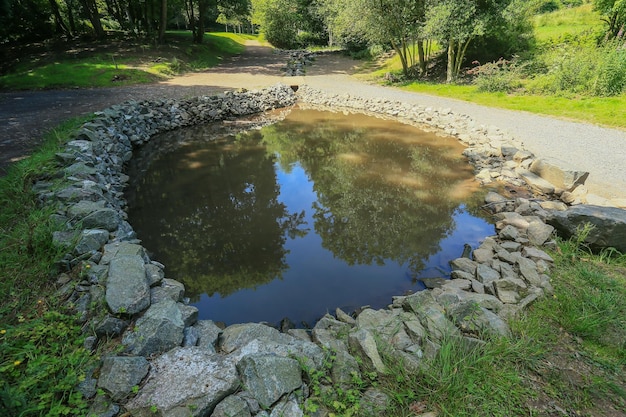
(288,24)
(501,75)
(614,14)
(600,110)
(570,69)
(591,303)
(611,73)
(279,22)
(41,363)
(344,400)
(41,353)
(84,74)
(580,25)
(457,23)
(463,378)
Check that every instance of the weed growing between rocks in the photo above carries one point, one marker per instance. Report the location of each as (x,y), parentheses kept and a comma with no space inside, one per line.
(336,399)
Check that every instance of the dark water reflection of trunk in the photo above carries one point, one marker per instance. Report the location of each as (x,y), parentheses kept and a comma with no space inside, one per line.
(317,211)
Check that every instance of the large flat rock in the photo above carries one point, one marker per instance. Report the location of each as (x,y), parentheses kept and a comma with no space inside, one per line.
(608,225)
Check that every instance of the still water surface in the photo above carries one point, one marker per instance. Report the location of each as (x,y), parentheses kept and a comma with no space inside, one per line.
(318,211)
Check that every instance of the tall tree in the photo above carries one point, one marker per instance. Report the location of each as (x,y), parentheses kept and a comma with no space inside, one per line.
(279,21)
(399,23)
(455,23)
(162,22)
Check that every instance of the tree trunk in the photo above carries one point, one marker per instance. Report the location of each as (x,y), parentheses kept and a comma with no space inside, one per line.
(163,22)
(94,17)
(199,35)
(451,62)
(421,56)
(61,27)
(70,15)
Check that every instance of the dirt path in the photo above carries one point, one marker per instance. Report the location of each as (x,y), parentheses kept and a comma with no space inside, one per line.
(25,116)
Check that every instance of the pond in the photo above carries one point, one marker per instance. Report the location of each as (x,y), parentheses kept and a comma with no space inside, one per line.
(317,211)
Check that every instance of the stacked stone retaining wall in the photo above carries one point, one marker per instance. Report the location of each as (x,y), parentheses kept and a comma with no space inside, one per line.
(172,364)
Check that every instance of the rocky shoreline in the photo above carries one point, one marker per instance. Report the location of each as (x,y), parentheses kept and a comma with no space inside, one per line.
(171,364)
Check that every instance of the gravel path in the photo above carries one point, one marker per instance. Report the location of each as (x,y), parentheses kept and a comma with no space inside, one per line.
(602,152)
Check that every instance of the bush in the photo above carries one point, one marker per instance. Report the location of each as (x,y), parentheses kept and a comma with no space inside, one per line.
(611,74)
(306,39)
(498,76)
(548,6)
(582,70)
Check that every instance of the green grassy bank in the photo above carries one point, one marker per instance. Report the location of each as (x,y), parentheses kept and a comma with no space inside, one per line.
(128,62)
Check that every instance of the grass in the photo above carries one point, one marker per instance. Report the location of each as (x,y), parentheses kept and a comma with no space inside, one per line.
(41,354)
(567,23)
(133,62)
(606,111)
(567,351)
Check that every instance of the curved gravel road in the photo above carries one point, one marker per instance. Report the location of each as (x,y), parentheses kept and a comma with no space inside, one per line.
(601,151)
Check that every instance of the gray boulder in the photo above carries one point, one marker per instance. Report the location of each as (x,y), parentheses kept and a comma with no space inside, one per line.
(91,240)
(238,335)
(558,173)
(185,382)
(609,225)
(311,355)
(431,314)
(287,407)
(119,374)
(110,326)
(208,334)
(158,330)
(374,402)
(127,288)
(470,317)
(84,208)
(535,182)
(538,232)
(268,377)
(485,274)
(113,250)
(106,218)
(232,406)
(363,344)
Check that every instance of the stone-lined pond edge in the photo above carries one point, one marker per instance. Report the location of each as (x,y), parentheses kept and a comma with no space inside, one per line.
(184,366)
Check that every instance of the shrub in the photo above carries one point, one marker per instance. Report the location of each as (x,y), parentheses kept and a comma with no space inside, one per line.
(593,71)
(548,6)
(499,76)
(611,72)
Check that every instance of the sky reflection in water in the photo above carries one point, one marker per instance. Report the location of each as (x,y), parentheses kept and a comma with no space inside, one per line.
(315,212)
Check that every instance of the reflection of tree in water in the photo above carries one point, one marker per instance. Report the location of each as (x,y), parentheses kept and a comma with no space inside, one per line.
(377,199)
(225,228)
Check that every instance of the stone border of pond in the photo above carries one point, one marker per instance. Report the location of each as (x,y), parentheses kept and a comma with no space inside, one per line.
(169,363)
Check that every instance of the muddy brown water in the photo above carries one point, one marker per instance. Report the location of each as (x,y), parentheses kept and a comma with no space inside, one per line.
(318,211)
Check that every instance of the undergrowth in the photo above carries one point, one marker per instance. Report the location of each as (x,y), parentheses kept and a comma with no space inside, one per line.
(580,328)
(41,353)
